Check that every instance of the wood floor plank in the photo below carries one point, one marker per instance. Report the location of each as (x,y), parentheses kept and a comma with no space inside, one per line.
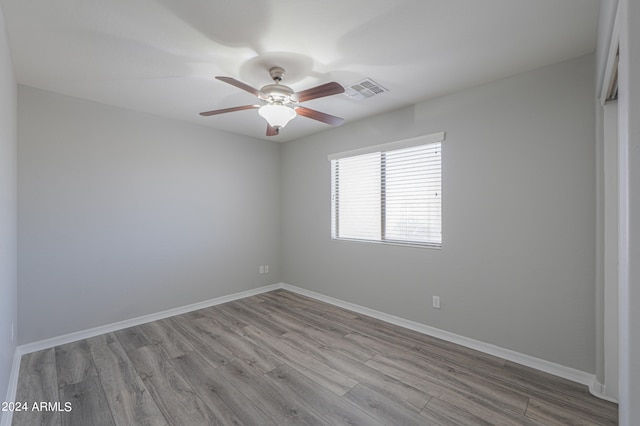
(201,340)
(262,309)
(561,393)
(552,415)
(80,385)
(445,381)
(227,402)
(538,378)
(240,347)
(132,338)
(126,394)
(38,381)
(344,346)
(268,398)
(414,340)
(88,404)
(172,343)
(283,318)
(333,409)
(197,314)
(223,317)
(392,334)
(387,411)
(306,303)
(317,371)
(174,397)
(459,355)
(327,323)
(391,387)
(456,410)
(250,317)
(258,298)
(74,363)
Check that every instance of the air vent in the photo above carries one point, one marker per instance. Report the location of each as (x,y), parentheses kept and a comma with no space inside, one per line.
(364,89)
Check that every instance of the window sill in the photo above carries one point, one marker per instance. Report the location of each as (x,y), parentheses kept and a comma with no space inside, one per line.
(392,243)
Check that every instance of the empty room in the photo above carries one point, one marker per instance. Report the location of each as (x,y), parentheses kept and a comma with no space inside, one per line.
(270,212)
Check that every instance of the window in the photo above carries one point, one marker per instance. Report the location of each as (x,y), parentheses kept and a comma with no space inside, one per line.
(389,193)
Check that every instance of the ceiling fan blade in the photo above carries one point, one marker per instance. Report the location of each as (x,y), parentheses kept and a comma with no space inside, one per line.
(224,110)
(321,91)
(272,131)
(320,116)
(243,86)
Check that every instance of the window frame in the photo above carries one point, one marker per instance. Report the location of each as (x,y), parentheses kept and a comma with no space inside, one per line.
(382,149)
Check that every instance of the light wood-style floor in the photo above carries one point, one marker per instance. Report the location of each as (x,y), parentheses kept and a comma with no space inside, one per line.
(283,359)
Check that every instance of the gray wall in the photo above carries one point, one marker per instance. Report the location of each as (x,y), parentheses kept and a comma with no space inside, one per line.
(122,214)
(517,264)
(8,164)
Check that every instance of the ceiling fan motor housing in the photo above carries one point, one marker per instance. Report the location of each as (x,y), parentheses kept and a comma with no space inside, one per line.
(277,93)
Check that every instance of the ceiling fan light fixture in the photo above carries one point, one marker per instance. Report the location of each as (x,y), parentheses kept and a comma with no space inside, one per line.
(277,115)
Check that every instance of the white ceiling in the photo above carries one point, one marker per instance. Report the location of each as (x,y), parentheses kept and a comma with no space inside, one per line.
(161,56)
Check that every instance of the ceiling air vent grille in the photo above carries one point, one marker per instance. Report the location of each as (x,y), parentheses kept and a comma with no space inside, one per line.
(364,89)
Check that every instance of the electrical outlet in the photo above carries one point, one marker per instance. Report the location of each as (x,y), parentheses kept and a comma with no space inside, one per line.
(266,269)
(436,302)
(261,270)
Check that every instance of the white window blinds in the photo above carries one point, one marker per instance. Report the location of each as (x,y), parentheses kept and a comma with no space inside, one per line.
(389,193)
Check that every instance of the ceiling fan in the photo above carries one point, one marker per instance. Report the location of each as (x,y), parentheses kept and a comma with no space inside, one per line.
(280,103)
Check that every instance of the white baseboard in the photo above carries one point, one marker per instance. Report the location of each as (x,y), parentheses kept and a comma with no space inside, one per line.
(568,373)
(96,331)
(599,390)
(7,416)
